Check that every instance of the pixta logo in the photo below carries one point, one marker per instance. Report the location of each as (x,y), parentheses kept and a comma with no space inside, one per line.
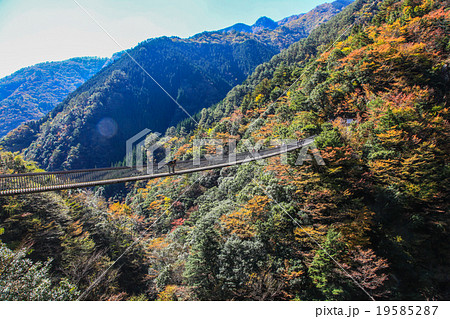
(140,151)
(142,147)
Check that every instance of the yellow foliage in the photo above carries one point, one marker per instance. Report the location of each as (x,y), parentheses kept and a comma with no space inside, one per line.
(310,234)
(168,294)
(257,206)
(259,98)
(158,243)
(239,223)
(118,209)
(391,137)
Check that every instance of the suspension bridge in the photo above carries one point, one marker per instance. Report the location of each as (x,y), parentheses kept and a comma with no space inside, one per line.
(16,184)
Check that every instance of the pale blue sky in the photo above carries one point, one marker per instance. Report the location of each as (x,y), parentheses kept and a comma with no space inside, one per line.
(33,31)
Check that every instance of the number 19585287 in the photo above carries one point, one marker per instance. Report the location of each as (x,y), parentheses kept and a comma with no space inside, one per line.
(406,310)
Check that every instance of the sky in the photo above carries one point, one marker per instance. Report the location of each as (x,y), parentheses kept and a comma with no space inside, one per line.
(34,31)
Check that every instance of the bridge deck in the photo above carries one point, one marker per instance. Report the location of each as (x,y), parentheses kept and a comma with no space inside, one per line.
(51,181)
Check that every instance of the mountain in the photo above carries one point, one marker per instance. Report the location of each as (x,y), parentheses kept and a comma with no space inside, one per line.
(370,224)
(325,11)
(291,29)
(197,72)
(124,97)
(32,92)
(263,23)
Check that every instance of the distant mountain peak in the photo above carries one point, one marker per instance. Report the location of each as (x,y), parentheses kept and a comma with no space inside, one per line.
(262,23)
(265,23)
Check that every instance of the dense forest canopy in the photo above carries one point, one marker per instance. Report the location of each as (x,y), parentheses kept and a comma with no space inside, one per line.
(378,100)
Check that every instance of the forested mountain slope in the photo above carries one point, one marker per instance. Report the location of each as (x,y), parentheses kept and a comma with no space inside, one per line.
(378,207)
(273,231)
(91,126)
(32,92)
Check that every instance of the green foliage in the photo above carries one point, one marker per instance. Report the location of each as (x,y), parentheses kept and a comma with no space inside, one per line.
(23,280)
(330,137)
(202,265)
(238,260)
(324,273)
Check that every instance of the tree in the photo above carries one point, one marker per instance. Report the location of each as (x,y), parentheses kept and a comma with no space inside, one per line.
(24,280)
(368,270)
(239,260)
(324,271)
(202,265)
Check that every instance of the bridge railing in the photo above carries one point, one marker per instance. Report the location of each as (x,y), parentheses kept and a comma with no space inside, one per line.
(12,184)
